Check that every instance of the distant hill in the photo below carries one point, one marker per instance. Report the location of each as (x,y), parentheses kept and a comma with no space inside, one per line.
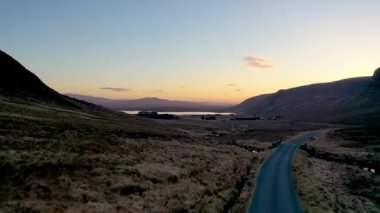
(151,104)
(354,100)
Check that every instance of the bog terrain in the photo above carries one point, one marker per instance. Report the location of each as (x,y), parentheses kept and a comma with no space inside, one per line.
(60,154)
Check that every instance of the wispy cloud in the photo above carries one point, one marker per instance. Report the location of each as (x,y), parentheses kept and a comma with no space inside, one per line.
(116,89)
(238,90)
(258,62)
(232,85)
(157,90)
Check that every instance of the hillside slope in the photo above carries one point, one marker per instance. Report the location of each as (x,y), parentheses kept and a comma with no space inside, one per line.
(17,81)
(345,100)
(21,87)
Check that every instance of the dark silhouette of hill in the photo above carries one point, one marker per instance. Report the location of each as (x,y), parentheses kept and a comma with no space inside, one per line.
(373,90)
(19,85)
(151,104)
(350,100)
(17,81)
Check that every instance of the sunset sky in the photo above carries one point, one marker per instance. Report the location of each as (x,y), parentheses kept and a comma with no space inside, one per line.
(199,50)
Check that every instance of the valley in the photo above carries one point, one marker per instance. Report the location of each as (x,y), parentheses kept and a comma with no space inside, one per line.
(61,154)
(63,160)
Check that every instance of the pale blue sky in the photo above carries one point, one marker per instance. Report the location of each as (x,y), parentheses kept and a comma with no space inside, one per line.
(190,49)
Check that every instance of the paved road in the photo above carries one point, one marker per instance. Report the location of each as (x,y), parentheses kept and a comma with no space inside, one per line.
(275,191)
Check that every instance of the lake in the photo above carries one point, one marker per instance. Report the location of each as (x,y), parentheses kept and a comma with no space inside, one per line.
(185,113)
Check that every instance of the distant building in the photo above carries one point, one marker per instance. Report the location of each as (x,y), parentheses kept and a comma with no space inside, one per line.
(247,118)
(208,117)
(155,115)
(148,114)
(274,117)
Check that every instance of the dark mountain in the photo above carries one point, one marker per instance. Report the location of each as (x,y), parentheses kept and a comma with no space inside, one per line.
(19,85)
(17,81)
(348,100)
(373,90)
(151,104)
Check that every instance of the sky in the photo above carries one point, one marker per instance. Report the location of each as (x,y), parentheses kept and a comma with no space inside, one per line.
(199,50)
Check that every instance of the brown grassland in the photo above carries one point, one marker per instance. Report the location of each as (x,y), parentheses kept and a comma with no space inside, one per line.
(55,159)
(337,177)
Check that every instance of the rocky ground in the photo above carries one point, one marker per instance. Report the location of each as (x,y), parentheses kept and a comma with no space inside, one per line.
(339,172)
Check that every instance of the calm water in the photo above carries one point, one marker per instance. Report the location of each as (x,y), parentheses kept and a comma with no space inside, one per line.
(185,113)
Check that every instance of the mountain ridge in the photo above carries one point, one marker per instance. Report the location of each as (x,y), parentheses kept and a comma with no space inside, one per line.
(345,100)
(21,86)
(17,81)
(151,104)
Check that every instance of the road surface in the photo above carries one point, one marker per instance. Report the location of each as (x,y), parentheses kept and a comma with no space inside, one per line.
(274,189)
